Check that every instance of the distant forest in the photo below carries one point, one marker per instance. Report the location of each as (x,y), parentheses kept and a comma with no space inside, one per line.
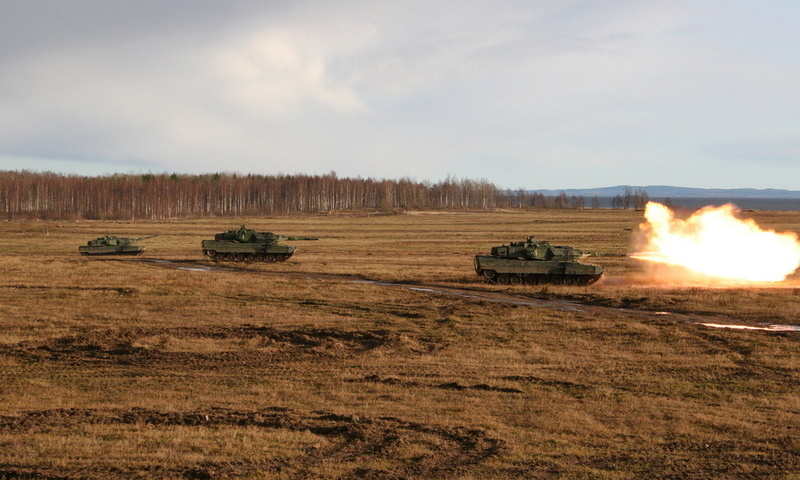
(51,196)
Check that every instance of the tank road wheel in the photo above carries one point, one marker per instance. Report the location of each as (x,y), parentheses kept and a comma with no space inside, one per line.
(569,280)
(503,279)
(531,280)
(489,275)
(516,280)
(557,279)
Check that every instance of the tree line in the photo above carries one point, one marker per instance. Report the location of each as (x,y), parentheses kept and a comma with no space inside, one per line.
(631,198)
(51,196)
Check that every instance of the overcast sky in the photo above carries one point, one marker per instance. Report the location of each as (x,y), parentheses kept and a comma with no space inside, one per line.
(534,94)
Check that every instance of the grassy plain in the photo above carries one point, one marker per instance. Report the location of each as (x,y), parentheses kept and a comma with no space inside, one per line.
(153,367)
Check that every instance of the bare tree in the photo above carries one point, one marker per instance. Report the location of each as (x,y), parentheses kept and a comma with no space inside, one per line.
(151,196)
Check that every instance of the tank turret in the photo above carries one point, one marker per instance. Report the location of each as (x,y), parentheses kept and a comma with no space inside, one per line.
(246,244)
(113,245)
(248,235)
(536,262)
(531,249)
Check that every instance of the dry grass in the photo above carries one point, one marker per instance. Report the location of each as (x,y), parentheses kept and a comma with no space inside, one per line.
(121,368)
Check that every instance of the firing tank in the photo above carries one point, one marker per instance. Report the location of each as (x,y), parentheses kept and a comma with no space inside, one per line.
(535,262)
(248,245)
(112,245)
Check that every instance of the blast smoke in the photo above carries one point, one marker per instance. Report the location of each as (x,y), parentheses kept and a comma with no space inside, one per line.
(713,245)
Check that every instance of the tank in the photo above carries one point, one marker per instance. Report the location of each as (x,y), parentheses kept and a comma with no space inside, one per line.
(535,262)
(248,245)
(112,245)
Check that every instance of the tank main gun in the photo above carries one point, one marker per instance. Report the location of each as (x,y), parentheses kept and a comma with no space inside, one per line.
(281,237)
(142,238)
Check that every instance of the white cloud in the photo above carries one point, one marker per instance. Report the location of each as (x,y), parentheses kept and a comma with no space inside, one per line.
(275,70)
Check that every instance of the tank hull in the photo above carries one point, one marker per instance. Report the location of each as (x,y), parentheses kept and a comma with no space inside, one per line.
(516,271)
(232,251)
(110,250)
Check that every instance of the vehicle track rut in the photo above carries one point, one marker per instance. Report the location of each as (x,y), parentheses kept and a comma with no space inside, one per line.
(711,321)
(247,346)
(354,442)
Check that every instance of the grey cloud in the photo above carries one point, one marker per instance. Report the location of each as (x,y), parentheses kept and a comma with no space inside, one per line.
(475,88)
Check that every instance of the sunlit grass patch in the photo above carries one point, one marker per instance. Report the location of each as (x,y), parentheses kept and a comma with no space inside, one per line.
(141,446)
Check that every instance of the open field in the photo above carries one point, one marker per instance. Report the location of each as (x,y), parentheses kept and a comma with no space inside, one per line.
(376,352)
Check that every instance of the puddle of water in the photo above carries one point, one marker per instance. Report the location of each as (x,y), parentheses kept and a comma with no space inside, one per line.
(195,267)
(768,328)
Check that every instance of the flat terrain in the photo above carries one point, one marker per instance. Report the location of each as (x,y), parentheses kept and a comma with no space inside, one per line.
(376,352)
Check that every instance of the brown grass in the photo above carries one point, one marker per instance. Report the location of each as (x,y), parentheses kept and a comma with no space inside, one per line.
(123,368)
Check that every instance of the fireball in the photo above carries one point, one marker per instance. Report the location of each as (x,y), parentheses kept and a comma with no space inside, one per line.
(715,242)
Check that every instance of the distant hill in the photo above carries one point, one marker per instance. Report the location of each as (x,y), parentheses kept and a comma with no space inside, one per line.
(665,191)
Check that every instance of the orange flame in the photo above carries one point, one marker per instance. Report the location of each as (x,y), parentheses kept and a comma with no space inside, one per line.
(714,242)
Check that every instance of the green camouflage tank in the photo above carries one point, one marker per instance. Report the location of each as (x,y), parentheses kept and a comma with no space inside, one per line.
(248,245)
(535,262)
(112,245)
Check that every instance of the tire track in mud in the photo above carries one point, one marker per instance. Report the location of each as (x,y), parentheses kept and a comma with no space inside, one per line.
(246,345)
(444,386)
(119,290)
(355,443)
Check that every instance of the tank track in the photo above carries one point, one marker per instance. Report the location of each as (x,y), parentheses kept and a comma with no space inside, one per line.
(538,279)
(90,254)
(246,257)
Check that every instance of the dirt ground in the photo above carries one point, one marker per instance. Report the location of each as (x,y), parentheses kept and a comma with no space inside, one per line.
(376,353)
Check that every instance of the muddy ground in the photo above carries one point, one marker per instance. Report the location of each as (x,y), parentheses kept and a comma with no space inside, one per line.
(377,446)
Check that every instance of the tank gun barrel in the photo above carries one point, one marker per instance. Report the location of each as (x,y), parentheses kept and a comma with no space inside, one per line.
(298,238)
(143,238)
